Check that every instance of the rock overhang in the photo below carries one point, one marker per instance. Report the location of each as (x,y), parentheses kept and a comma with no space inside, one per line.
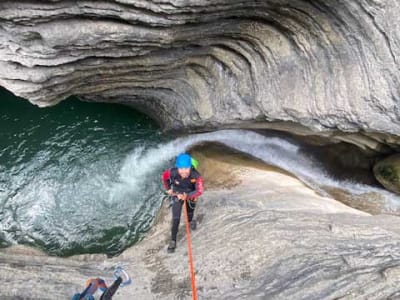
(325,65)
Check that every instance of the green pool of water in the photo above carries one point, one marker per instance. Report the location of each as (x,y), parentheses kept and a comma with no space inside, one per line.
(60,176)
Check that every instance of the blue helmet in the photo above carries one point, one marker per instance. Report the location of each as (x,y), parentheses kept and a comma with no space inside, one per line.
(183,160)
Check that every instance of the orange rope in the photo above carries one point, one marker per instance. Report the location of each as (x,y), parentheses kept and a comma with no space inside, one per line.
(189,245)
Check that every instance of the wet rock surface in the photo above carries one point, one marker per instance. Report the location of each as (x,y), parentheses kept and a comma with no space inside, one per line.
(266,237)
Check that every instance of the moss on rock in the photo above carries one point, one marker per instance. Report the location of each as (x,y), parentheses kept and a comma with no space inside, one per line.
(387,172)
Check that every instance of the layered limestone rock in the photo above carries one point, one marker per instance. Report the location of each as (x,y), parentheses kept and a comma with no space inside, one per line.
(262,234)
(295,65)
(324,65)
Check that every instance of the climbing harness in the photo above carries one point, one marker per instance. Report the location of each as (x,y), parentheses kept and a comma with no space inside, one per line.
(171,198)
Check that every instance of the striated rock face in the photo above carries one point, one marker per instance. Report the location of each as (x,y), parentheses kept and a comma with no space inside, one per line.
(199,64)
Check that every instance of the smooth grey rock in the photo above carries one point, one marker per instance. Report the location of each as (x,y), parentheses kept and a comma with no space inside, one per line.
(281,241)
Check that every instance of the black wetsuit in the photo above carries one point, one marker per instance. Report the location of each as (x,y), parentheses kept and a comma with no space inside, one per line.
(192,186)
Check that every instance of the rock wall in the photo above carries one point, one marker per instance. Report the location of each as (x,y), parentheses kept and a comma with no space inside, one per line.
(324,64)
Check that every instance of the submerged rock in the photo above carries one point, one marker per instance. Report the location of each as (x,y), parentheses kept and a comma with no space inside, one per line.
(387,172)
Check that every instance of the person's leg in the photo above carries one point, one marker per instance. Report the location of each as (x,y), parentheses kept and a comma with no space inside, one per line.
(176,217)
(110,292)
(190,210)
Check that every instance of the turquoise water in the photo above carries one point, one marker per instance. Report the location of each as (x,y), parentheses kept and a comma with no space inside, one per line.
(85,177)
(60,176)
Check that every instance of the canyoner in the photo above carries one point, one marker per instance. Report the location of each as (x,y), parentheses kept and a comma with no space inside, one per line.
(184,185)
(93,285)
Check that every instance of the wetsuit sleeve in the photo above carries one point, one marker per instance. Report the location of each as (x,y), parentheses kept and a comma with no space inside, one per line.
(166,179)
(198,189)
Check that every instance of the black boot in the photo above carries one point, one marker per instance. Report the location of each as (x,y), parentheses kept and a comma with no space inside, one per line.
(171,246)
(193,225)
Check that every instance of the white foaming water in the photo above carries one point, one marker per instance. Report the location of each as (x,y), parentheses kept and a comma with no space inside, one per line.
(105,204)
(275,151)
